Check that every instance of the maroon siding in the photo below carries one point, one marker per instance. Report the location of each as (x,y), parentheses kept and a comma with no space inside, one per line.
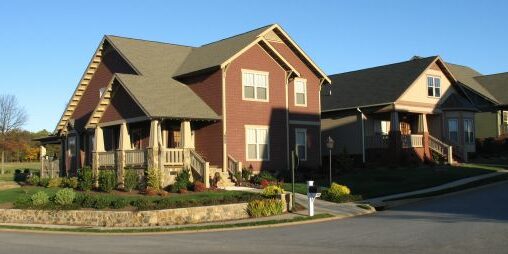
(240,112)
(111,63)
(122,106)
(208,138)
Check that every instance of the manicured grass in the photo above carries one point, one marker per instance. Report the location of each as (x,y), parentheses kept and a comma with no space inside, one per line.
(10,167)
(176,229)
(386,181)
(11,195)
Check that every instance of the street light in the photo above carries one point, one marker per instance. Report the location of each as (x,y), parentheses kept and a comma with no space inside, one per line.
(329,144)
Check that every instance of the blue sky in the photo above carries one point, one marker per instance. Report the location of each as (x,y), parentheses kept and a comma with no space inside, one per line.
(45,45)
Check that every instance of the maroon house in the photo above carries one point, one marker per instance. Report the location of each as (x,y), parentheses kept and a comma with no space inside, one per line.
(240,102)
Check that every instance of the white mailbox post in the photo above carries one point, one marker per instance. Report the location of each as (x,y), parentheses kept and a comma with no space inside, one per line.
(312,194)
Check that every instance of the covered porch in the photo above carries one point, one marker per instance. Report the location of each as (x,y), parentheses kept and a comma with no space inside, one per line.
(164,144)
(405,133)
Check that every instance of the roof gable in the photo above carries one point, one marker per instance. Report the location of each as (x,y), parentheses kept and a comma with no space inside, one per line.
(497,85)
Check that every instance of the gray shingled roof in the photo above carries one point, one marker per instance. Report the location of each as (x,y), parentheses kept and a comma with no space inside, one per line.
(497,85)
(154,89)
(373,86)
(466,76)
(215,53)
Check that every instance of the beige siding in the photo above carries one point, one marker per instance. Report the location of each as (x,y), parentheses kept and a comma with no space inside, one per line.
(346,131)
(415,99)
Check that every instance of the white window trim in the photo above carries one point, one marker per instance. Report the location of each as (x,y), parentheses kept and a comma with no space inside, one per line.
(503,118)
(434,86)
(448,129)
(297,130)
(472,131)
(259,127)
(255,90)
(305,91)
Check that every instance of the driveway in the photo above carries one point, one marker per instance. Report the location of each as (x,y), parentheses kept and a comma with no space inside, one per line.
(470,222)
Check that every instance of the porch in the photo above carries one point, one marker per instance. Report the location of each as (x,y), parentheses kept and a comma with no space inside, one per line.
(406,133)
(165,145)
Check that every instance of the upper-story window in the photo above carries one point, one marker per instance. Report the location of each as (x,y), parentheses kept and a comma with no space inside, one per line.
(434,87)
(255,85)
(300,92)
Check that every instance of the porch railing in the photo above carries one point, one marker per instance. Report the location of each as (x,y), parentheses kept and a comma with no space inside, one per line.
(233,167)
(173,157)
(135,157)
(107,159)
(441,148)
(377,141)
(412,141)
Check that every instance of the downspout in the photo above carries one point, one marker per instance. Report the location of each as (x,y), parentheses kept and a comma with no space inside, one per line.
(363,135)
(224,126)
(288,152)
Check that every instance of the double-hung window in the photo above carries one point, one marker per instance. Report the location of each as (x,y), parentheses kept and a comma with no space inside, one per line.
(258,143)
(433,87)
(300,92)
(468,131)
(255,85)
(453,130)
(301,143)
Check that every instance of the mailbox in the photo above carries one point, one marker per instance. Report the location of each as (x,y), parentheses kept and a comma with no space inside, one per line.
(312,194)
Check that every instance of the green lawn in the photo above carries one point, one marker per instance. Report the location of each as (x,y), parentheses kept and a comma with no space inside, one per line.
(10,167)
(385,181)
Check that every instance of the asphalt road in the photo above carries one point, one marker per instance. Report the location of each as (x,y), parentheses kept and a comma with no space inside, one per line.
(470,222)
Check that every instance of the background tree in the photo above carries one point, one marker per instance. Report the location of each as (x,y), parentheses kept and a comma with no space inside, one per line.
(12,117)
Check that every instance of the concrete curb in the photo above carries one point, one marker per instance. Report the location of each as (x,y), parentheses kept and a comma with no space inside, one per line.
(184,231)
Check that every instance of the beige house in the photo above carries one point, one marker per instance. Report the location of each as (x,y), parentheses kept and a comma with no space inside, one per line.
(406,111)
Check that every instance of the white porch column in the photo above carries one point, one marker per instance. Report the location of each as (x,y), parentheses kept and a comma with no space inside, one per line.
(124,142)
(153,145)
(186,134)
(42,152)
(422,123)
(98,146)
(186,139)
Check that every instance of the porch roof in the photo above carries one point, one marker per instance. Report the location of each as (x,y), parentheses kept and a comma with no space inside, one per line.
(48,140)
(373,86)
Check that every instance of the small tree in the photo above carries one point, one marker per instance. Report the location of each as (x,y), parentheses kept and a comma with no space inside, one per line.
(12,117)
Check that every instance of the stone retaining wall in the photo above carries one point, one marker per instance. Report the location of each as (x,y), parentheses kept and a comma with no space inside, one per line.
(126,218)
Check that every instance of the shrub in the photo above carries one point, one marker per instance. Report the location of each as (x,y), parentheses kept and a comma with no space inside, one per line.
(101,202)
(107,180)
(19,176)
(263,175)
(182,181)
(71,182)
(34,180)
(65,196)
(119,203)
(272,190)
(199,186)
(88,201)
(44,182)
(54,182)
(143,204)
(246,174)
(39,199)
(85,179)
(265,207)
(131,180)
(153,179)
(23,202)
(339,194)
(264,183)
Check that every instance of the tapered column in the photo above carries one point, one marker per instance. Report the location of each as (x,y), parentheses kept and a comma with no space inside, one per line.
(42,153)
(153,145)
(98,146)
(124,144)
(186,139)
